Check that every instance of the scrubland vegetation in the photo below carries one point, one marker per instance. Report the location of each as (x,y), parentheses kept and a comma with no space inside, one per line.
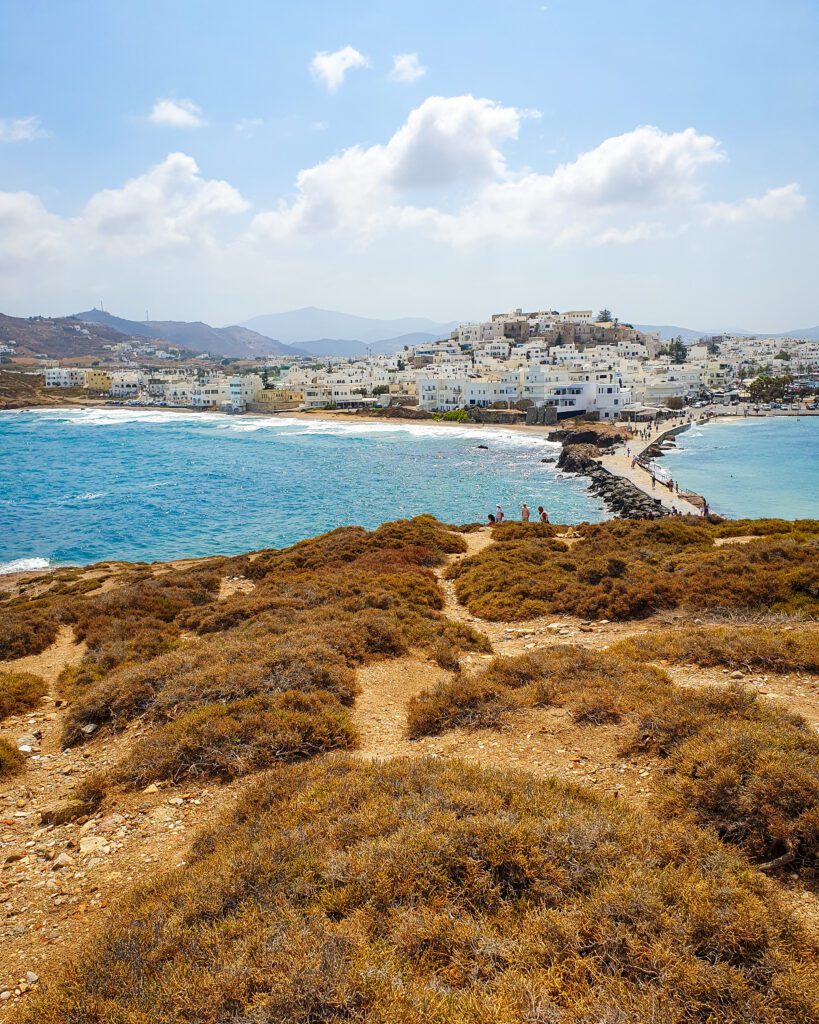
(438,892)
(11,760)
(732,762)
(429,890)
(625,569)
(19,691)
(231,686)
(766,647)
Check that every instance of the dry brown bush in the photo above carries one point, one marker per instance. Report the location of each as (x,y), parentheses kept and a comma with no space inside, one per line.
(26,627)
(626,569)
(466,701)
(596,687)
(434,891)
(227,740)
(766,647)
(11,760)
(20,691)
(756,783)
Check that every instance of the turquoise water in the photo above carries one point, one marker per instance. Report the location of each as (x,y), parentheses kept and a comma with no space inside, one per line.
(752,467)
(83,485)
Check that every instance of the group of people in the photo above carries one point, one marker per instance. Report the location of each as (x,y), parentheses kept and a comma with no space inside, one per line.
(498,516)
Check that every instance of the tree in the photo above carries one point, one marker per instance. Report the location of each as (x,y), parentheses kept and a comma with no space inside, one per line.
(713,347)
(604,316)
(675,350)
(782,354)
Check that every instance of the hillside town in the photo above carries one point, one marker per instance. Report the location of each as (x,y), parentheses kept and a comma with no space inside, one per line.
(541,366)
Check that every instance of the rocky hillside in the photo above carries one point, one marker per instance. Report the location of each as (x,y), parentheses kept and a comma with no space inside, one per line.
(424,773)
(58,338)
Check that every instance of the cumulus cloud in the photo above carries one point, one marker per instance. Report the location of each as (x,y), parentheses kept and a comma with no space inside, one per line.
(21,129)
(170,207)
(330,68)
(781,203)
(177,114)
(449,154)
(406,67)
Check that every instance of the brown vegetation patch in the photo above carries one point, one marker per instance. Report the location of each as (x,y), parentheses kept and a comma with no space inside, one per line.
(729,755)
(20,691)
(11,760)
(626,569)
(776,649)
(439,892)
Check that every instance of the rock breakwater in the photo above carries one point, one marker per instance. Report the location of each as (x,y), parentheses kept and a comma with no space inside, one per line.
(619,495)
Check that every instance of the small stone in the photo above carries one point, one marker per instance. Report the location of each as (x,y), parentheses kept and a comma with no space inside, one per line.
(88,729)
(62,860)
(5,994)
(17,855)
(93,845)
(737,675)
(32,978)
(153,788)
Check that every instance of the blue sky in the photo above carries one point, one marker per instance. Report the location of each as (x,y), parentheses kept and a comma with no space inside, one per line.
(197,160)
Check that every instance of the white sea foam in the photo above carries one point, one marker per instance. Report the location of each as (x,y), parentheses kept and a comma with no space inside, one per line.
(23,565)
(98,417)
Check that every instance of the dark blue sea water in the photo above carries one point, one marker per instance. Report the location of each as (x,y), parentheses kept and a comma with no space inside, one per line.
(79,486)
(752,467)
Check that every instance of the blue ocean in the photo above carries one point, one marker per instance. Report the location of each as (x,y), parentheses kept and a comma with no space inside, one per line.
(766,467)
(83,485)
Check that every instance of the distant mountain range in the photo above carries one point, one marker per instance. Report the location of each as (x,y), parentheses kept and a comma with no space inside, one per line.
(668,331)
(298,326)
(234,341)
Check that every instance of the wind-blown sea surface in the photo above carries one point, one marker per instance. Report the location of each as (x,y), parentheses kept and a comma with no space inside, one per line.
(84,485)
(765,467)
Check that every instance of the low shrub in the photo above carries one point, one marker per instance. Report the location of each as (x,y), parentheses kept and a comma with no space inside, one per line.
(596,687)
(11,760)
(756,783)
(26,628)
(86,798)
(631,569)
(20,691)
(446,656)
(434,891)
(466,701)
(766,647)
(228,740)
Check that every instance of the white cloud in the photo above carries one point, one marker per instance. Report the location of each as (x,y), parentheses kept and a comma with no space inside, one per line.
(21,129)
(406,67)
(170,207)
(450,151)
(330,68)
(177,114)
(776,204)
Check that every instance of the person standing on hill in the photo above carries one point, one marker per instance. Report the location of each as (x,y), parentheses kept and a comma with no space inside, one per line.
(543,515)
(524,512)
(499,514)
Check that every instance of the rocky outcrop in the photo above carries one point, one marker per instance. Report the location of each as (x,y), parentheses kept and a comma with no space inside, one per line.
(601,436)
(620,496)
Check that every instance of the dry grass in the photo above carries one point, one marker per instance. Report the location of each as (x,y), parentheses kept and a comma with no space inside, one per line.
(437,892)
(732,762)
(596,687)
(27,627)
(756,783)
(229,686)
(20,691)
(626,570)
(11,760)
(766,647)
(228,740)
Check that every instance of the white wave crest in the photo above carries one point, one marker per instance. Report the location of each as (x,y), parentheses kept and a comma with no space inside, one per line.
(23,565)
